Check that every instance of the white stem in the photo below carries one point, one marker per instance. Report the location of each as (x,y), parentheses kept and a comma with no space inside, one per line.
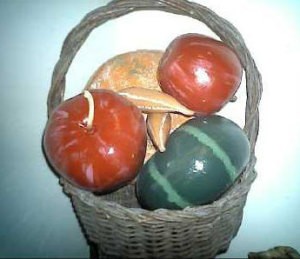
(90,100)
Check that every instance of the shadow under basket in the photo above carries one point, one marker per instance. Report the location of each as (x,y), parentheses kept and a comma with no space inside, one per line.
(115,223)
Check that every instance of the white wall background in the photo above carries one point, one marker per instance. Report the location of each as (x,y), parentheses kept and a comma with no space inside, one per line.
(36,218)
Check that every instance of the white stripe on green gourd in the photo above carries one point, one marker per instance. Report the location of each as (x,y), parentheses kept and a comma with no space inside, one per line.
(202,160)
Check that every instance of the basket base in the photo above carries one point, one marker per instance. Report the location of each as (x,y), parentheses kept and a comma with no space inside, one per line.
(115,231)
(97,253)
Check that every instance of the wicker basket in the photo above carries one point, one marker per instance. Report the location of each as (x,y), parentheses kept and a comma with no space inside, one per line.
(114,222)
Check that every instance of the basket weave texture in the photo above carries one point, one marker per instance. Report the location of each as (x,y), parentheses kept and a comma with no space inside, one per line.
(115,222)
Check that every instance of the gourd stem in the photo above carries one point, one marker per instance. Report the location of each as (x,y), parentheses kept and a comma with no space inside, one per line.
(90,118)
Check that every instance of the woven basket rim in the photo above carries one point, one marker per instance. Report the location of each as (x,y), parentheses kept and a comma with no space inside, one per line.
(195,211)
(217,24)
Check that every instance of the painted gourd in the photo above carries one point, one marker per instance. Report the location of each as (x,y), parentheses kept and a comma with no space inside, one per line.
(203,158)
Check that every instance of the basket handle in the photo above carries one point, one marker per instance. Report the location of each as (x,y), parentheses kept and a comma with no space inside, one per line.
(116,8)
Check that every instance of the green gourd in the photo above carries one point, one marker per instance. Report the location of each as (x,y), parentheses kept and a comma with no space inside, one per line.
(203,158)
